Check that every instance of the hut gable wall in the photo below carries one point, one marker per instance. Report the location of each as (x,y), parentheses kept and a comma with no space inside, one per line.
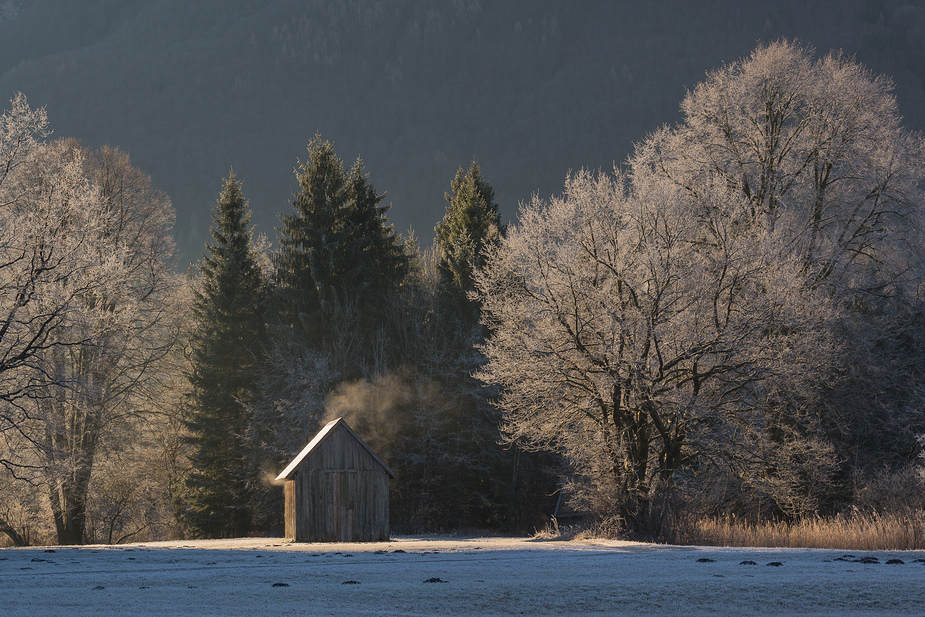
(337,490)
(340,450)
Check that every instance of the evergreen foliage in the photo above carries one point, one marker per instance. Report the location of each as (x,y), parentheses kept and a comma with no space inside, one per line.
(305,263)
(731,325)
(339,258)
(471,225)
(226,349)
(338,269)
(374,259)
(479,482)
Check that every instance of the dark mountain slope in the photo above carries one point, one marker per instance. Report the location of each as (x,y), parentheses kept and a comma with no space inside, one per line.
(531,89)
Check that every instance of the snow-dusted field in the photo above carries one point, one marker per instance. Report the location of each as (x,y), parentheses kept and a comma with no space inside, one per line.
(452,576)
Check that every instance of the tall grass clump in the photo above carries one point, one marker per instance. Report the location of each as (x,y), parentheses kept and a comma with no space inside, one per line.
(857,531)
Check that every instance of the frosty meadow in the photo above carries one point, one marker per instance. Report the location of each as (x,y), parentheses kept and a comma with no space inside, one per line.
(454,576)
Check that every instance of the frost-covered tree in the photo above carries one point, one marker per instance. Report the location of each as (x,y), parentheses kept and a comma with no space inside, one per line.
(117,317)
(48,224)
(29,263)
(21,131)
(131,326)
(89,303)
(814,144)
(740,308)
(48,273)
(817,148)
(632,331)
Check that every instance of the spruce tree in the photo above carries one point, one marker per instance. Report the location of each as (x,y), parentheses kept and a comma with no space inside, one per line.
(373,257)
(306,262)
(226,348)
(471,225)
(337,250)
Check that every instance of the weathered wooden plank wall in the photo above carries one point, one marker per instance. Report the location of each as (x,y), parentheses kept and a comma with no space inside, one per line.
(289,489)
(339,494)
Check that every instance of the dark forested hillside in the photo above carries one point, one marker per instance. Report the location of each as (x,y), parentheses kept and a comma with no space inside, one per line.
(418,88)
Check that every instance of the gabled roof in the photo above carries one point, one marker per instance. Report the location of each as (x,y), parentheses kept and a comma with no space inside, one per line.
(322,434)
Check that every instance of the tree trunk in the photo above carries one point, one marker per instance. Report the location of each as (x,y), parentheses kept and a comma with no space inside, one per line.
(68,491)
(69,507)
(13,534)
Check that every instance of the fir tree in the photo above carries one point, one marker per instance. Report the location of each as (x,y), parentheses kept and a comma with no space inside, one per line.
(306,262)
(373,257)
(226,348)
(338,254)
(471,225)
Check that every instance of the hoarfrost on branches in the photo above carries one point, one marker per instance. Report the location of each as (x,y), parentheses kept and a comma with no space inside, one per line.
(694,313)
(633,330)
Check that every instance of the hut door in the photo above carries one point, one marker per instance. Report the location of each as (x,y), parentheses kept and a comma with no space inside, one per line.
(343,486)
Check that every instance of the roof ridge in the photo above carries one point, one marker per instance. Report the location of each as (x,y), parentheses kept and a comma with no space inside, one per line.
(318,438)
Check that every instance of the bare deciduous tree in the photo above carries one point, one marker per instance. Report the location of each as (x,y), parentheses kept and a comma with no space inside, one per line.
(48,271)
(90,308)
(633,331)
(816,145)
(817,148)
(130,327)
(700,311)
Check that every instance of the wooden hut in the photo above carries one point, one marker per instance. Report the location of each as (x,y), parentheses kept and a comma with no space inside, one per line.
(337,489)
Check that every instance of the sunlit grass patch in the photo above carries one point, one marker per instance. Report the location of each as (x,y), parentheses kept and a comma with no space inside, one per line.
(858,531)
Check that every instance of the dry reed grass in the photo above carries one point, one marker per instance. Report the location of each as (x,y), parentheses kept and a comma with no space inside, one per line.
(858,532)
